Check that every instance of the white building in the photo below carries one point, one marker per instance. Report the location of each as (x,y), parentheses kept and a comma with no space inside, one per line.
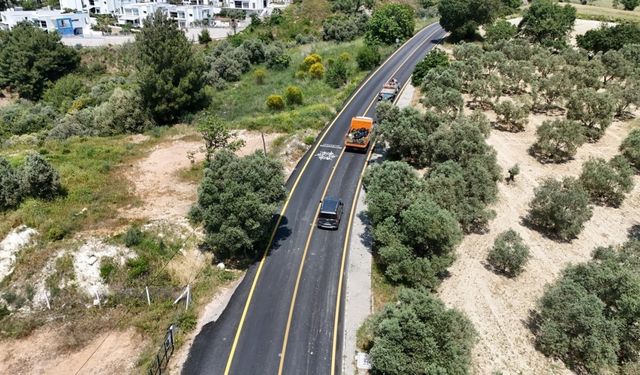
(184,15)
(64,24)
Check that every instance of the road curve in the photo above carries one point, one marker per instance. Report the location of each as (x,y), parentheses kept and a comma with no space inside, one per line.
(282,318)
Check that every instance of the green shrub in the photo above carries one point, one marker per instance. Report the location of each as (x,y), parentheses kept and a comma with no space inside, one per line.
(10,192)
(390,23)
(606,38)
(316,71)
(308,61)
(25,117)
(133,236)
(509,254)
(558,140)
(368,57)
(342,28)
(260,74)
(107,267)
(560,208)
(64,92)
(204,37)
(499,31)
(122,113)
(276,57)
(39,179)
(337,74)
(275,103)
(293,95)
(309,139)
(607,182)
(434,58)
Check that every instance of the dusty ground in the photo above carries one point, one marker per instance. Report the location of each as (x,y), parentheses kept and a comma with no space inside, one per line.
(119,353)
(155,178)
(498,306)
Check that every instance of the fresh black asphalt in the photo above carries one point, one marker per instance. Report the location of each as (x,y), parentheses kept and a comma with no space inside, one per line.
(311,333)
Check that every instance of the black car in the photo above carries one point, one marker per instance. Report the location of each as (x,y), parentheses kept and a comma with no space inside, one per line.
(330,213)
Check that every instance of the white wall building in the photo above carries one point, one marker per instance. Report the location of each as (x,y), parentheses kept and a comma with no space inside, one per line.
(184,15)
(64,24)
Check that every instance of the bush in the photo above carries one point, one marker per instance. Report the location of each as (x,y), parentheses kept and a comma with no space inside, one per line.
(275,103)
(255,50)
(509,254)
(558,140)
(337,74)
(204,37)
(260,75)
(24,118)
(419,335)
(309,61)
(390,23)
(500,31)
(343,28)
(560,208)
(64,91)
(293,95)
(39,179)
(368,57)
(316,71)
(434,58)
(138,267)
(133,236)
(607,182)
(122,113)
(10,193)
(630,148)
(276,57)
(237,199)
(589,317)
(107,267)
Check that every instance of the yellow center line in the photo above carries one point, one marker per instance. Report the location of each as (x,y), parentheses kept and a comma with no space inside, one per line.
(284,208)
(304,256)
(345,248)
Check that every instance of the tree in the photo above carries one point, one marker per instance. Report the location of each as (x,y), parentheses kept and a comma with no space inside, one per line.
(419,335)
(64,91)
(607,182)
(10,193)
(255,50)
(31,58)
(616,66)
(625,95)
(337,74)
(169,72)
(560,208)
(368,57)
(39,179)
(342,28)
(606,38)
(217,136)
(630,148)
(630,4)
(593,109)
(510,116)
(548,23)
(122,113)
(390,188)
(558,140)
(552,89)
(589,317)
(460,141)
(293,95)
(499,31)
(236,202)
(516,75)
(463,17)
(509,254)
(204,37)
(443,100)
(390,23)
(434,58)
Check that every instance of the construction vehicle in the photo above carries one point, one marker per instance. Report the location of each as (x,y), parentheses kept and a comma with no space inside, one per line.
(389,90)
(359,134)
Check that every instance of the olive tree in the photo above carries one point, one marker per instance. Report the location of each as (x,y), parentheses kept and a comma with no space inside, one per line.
(441,339)
(593,109)
(630,148)
(509,254)
(559,208)
(433,59)
(607,181)
(511,116)
(558,140)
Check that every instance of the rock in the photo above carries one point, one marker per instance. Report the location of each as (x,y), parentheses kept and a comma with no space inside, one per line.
(220,266)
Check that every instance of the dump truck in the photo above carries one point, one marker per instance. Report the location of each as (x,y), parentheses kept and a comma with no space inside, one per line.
(389,90)
(359,134)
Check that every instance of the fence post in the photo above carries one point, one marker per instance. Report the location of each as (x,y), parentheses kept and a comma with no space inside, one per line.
(146,288)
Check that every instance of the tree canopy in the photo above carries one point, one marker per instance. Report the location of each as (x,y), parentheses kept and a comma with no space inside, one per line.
(463,17)
(606,38)
(390,23)
(31,58)
(607,182)
(548,23)
(169,72)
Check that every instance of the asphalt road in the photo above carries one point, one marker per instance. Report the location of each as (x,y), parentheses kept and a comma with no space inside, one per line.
(286,316)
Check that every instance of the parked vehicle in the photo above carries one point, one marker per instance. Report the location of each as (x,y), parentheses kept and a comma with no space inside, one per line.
(359,134)
(389,90)
(330,213)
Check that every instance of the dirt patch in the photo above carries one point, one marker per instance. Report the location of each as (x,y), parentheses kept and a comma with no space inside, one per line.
(156,181)
(117,354)
(498,306)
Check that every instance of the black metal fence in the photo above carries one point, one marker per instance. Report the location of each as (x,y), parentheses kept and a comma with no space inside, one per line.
(162,357)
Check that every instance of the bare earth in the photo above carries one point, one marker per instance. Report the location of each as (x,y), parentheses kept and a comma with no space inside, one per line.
(117,355)
(499,306)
